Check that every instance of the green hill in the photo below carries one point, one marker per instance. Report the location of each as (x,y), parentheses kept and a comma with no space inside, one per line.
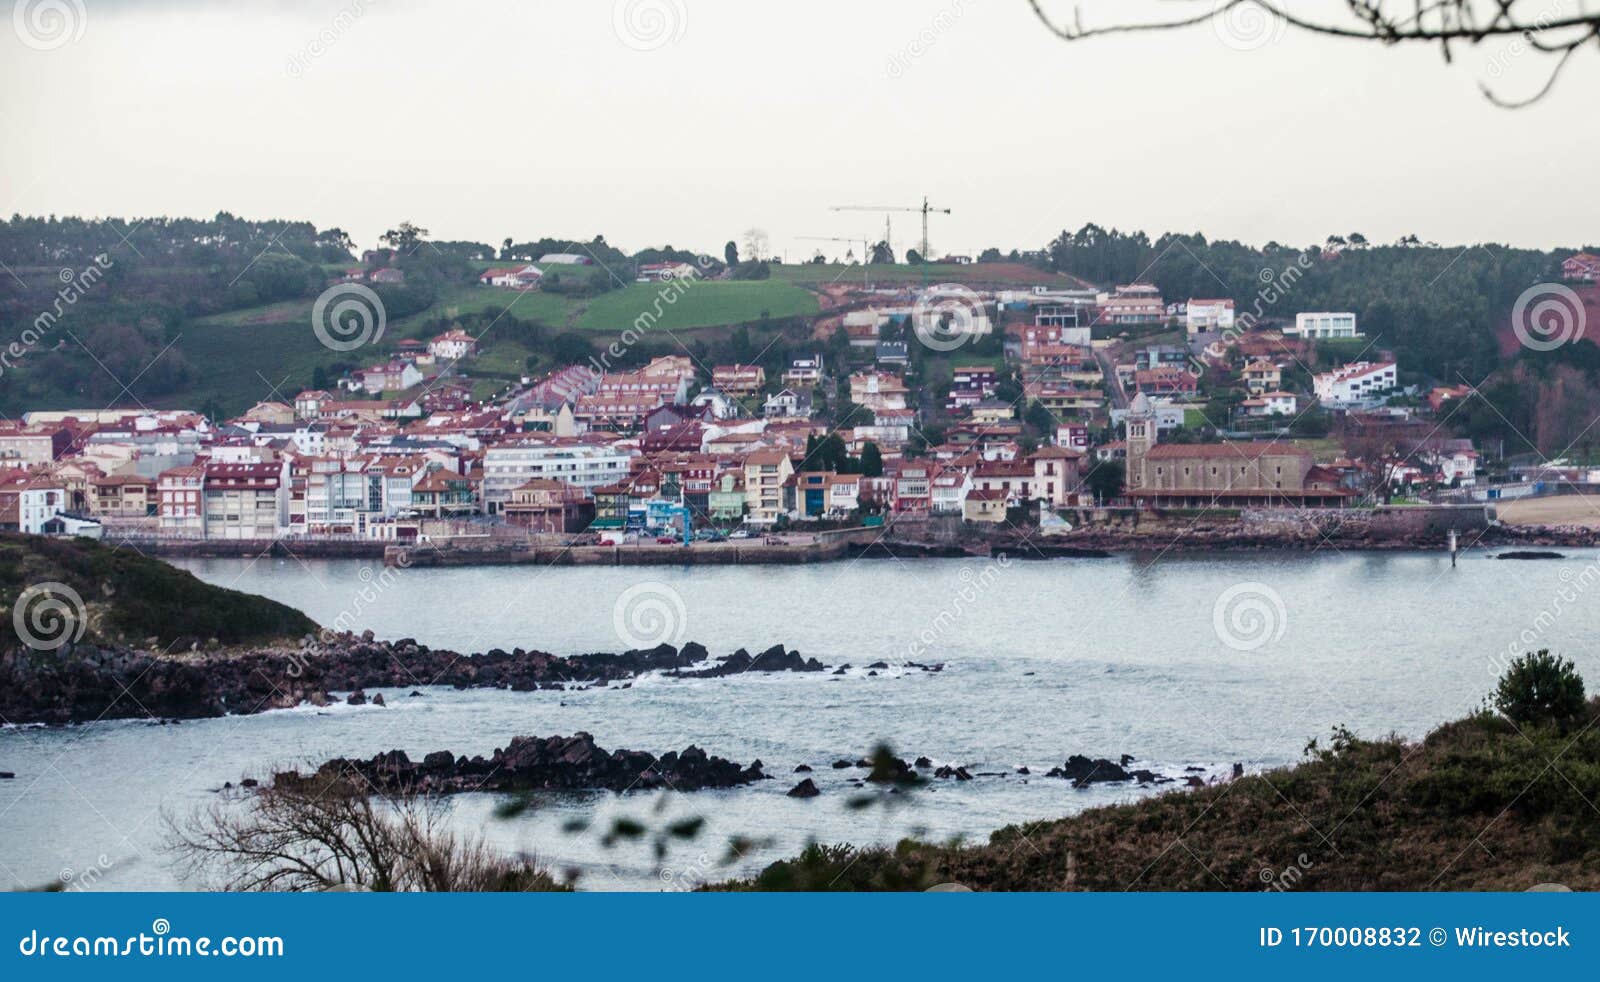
(121,595)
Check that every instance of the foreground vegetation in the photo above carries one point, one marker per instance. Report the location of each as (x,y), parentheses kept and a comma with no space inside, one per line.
(122,596)
(1502,800)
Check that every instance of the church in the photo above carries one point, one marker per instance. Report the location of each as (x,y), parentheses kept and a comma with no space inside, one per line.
(1223,475)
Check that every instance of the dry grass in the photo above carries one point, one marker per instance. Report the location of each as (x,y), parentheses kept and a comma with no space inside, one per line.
(1477,805)
(1567,509)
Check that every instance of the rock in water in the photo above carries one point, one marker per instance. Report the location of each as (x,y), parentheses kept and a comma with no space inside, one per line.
(805,789)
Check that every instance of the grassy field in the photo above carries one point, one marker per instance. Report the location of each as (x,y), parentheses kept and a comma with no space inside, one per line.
(707,304)
(1017,274)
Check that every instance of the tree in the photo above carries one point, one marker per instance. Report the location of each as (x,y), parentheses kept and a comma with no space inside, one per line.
(322,832)
(914,258)
(505,248)
(881,255)
(1105,480)
(730,254)
(404,239)
(1539,687)
(1556,33)
(871,460)
(755,244)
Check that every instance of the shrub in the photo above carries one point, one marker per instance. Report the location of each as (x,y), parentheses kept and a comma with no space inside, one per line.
(1540,687)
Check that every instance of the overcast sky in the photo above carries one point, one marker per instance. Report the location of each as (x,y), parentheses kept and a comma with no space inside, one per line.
(688,121)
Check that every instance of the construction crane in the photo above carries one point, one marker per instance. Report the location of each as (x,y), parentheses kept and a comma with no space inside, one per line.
(926,210)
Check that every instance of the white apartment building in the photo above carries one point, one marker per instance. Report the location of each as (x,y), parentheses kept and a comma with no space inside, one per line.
(35,506)
(1355,383)
(587,466)
(1323,324)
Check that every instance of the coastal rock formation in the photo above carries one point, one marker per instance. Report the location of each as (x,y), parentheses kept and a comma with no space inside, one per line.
(805,789)
(543,764)
(81,682)
(774,659)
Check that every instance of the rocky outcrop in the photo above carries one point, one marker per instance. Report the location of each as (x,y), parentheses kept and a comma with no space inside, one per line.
(774,659)
(81,682)
(554,763)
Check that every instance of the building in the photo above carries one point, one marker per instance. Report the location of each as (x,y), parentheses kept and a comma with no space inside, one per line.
(1223,475)
(509,466)
(1356,383)
(1322,324)
(1582,268)
(1165,380)
(245,501)
(453,345)
(180,507)
(877,390)
(984,505)
(1201,316)
(549,506)
(514,278)
(1271,404)
(765,474)
(26,447)
(788,403)
(803,372)
(1133,304)
(393,375)
(739,380)
(1261,375)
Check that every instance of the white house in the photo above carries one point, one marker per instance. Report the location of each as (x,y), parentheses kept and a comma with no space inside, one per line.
(1354,383)
(36,506)
(1208,315)
(453,345)
(1271,404)
(1322,324)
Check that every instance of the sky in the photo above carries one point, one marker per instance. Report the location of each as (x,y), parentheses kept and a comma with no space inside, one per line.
(686,122)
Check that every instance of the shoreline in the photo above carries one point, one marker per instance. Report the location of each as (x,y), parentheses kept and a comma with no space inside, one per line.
(1079,544)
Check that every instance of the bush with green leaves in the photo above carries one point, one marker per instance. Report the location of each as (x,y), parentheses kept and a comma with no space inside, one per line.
(1540,687)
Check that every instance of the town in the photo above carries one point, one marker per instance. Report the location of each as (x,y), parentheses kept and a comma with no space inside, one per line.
(1046,401)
